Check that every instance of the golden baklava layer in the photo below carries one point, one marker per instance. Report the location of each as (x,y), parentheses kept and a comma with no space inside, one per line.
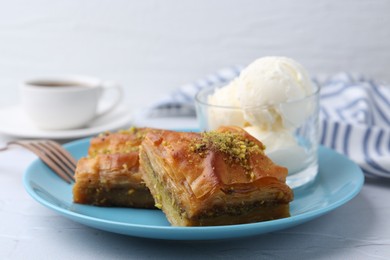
(213,178)
(109,175)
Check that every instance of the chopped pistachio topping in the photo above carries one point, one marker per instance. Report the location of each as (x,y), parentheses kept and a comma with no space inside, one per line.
(130,130)
(128,147)
(236,147)
(104,134)
(157,203)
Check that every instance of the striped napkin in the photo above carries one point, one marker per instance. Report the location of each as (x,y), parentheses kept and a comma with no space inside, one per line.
(355,121)
(354,115)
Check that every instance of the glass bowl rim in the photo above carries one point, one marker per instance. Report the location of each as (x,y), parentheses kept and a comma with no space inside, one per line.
(315,93)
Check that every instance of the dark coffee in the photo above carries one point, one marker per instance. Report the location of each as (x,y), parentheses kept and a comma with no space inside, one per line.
(57,84)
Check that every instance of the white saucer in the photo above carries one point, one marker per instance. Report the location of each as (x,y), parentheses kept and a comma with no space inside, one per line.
(14,122)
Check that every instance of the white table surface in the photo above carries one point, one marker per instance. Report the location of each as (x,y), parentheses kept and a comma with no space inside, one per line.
(359,229)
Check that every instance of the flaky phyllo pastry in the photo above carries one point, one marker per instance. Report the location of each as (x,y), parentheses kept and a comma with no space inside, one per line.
(109,175)
(213,178)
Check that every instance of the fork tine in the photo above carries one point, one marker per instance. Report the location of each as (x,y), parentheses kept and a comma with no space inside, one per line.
(60,156)
(48,160)
(68,158)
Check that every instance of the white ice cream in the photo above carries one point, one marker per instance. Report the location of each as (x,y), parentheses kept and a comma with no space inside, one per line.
(273,80)
(268,100)
(269,81)
(227,109)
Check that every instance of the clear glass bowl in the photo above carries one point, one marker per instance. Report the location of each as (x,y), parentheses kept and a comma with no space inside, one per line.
(289,130)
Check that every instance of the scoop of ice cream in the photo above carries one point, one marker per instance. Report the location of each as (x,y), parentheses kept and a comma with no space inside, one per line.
(226,107)
(268,100)
(268,82)
(273,80)
(226,96)
(271,101)
(273,140)
(281,147)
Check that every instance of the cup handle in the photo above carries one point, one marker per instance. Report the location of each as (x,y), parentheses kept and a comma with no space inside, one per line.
(107,86)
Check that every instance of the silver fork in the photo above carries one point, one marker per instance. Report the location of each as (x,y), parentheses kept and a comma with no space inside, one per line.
(52,154)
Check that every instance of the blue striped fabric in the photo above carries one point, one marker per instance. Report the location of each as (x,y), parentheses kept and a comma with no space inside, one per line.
(354,115)
(355,121)
(181,101)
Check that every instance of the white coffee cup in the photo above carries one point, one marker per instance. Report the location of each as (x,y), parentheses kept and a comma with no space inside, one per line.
(67,102)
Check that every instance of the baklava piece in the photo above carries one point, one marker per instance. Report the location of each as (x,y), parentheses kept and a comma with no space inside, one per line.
(213,178)
(109,175)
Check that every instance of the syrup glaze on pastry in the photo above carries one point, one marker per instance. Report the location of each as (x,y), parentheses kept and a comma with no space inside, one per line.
(109,175)
(214,178)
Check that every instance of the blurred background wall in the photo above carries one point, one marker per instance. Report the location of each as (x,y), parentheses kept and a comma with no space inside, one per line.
(152,47)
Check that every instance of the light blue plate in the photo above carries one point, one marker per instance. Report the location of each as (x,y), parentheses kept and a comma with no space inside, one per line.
(339,180)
